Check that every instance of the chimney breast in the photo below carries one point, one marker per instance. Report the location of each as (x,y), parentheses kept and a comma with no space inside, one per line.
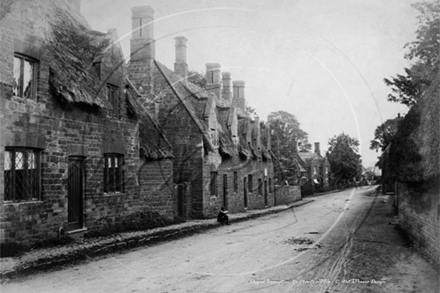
(142,35)
(213,84)
(180,66)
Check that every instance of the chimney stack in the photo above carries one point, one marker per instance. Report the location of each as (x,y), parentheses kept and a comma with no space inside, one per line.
(238,99)
(213,78)
(317,150)
(142,36)
(227,94)
(180,66)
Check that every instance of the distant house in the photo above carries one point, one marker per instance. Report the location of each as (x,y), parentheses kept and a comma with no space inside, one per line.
(314,169)
(413,161)
(222,156)
(77,151)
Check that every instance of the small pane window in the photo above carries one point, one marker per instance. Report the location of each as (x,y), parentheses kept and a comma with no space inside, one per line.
(260,187)
(235,182)
(22,174)
(24,77)
(113,173)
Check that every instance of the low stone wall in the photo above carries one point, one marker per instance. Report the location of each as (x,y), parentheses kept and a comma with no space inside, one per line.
(287,194)
(419,216)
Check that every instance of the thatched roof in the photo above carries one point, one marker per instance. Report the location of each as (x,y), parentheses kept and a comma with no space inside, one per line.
(226,145)
(415,151)
(72,50)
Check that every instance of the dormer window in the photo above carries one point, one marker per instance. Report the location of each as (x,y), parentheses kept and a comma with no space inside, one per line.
(24,77)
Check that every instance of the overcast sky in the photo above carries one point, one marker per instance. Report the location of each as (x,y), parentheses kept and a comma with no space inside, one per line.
(323,61)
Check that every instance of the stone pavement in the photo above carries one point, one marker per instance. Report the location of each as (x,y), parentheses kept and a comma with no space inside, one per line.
(86,249)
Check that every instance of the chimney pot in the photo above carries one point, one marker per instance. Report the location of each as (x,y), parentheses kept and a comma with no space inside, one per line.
(238,99)
(317,150)
(142,36)
(227,94)
(180,66)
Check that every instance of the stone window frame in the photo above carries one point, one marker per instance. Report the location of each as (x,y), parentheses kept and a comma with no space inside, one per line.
(114,175)
(19,85)
(30,183)
(213,184)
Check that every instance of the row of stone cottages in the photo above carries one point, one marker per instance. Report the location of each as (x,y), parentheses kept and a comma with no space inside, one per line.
(88,142)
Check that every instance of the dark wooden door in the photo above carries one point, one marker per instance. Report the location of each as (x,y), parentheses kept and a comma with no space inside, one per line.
(225,191)
(75,194)
(245,192)
(180,200)
(265,193)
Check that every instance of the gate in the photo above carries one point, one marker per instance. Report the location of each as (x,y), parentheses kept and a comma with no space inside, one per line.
(75,194)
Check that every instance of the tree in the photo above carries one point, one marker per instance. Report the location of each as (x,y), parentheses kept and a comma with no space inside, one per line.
(425,52)
(384,134)
(197,78)
(285,133)
(345,162)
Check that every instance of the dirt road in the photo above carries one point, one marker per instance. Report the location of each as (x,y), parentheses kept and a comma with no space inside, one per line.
(342,242)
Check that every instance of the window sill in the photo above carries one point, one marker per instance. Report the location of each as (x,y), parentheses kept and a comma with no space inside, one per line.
(113,193)
(10,202)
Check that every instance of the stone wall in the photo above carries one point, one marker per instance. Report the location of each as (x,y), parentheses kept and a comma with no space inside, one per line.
(419,215)
(287,194)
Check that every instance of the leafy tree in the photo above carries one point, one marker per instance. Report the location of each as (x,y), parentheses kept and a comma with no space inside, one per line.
(384,134)
(345,162)
(197,78)
(285,133)
(425,52)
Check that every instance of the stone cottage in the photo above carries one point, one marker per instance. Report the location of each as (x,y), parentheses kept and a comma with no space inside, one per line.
(221,155)
(314,170)
(77,151)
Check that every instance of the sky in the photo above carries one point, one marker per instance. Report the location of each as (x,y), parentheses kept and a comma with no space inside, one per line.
(322,61)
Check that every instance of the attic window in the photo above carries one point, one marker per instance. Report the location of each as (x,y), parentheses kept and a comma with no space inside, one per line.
(24,77)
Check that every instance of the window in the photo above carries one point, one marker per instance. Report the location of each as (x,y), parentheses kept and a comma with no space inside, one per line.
(214,183)
(22,174)
(113,173)
(270,185)
(260,187)
(114,100)
(250,183)
(24,77)
(235,182)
